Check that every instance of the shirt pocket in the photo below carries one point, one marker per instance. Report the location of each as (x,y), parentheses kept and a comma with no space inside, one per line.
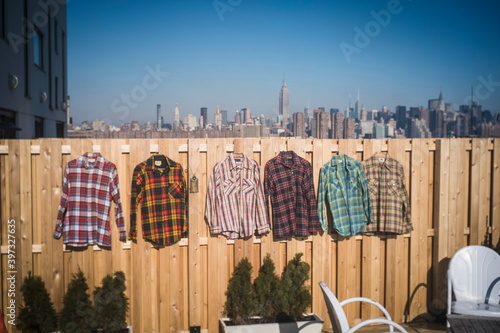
(230,186)
(175,190)
(373,186)
(393,187)
(248,188)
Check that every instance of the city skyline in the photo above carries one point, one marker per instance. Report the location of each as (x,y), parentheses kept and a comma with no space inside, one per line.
(198,55)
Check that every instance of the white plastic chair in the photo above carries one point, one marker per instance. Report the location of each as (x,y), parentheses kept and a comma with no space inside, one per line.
(474,279)
(339,319)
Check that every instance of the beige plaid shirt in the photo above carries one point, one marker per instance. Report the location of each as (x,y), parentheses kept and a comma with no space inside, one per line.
(389,198)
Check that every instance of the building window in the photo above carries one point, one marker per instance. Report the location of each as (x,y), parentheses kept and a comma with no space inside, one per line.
(38,47)
(56,40)
(38,127)
(57,93)
(7,125)
(3,24)
(60,129)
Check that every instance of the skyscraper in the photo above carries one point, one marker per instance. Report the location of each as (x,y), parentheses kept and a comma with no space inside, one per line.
(284,107)
(337,125)
(357,108)
(299,125)
(349,128)
(224,116)
(401,116)
(177,122)
(159,123)
(204,114)
(237,118)
(218,119)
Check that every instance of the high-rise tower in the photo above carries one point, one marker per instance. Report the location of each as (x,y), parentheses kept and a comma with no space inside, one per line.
(284,110)
(177,122)
(159,123)
(357,107)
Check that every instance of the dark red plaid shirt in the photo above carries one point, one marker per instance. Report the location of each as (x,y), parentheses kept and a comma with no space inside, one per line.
(288,180)
(159,186)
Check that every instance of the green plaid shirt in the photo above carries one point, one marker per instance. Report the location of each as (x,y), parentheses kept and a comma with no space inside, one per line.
(390,201)
(342,183)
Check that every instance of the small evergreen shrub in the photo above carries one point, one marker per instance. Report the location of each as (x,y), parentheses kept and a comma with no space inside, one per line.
(111,304)
(38,314)
(268,295)
(77,315)
(297,296)
(239,304)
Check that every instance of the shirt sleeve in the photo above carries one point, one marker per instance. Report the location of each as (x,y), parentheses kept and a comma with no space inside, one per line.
(407,226)
(186,204)
(321,198)
(312,204)
(211,207)
(134,200)
(262,222)
(63,205)
(267,188)
(115,196)
(365,192)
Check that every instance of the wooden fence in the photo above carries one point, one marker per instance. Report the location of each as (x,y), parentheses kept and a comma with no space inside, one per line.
(454,186)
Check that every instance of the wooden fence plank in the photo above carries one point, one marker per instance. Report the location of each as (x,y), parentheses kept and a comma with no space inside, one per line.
(195,225)
(495,198)
(371,263)
(441,217)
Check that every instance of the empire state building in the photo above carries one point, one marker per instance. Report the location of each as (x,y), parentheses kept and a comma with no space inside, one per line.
(284,110)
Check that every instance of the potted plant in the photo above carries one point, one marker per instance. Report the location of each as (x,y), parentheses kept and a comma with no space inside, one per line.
(77,315)
(111,304)
(38,313)
(274,305)
(239,304)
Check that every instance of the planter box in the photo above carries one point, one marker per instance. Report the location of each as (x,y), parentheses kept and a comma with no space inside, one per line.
(308,326)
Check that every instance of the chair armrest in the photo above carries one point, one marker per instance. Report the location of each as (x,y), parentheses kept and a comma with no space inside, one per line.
(377,321)
(367,300)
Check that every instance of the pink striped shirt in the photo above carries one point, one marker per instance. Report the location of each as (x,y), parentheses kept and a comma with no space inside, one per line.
(235,198)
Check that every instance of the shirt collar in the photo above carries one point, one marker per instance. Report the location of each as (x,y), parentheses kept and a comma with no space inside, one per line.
(341,160)
(91,160)
(388,162)
(245,163)
(284,158)
(150,164)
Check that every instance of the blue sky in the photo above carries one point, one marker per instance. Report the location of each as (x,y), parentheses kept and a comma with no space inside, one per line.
(125,57)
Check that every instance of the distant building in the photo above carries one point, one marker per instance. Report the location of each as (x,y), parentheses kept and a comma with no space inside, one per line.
(224,116)
(378,131)
(177,121)
(366,128)
(401,116)
(203,117)
(190,122)
(159,119)
(33,84)
(321,123)
(299,125)
(284,107)
(357,107)
(337,125)
(349,128)
(217,119)
(237,118)
(418,129)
